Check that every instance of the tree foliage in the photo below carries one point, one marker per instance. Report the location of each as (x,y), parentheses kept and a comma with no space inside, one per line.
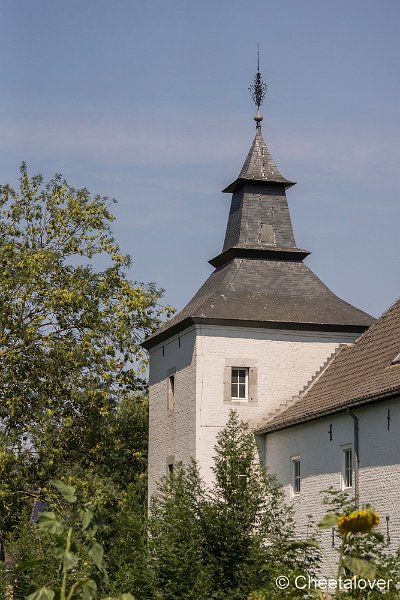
(177,564)
(227,542)
(72,372)
(69,333)
(75,568)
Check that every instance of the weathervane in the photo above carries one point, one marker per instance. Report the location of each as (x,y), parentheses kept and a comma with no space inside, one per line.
(258,89)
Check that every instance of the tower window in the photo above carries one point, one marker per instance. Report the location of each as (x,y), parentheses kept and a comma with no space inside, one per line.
(296,476)
(267,233)
(240,380)
(171,392)
(347,468)
(239,383)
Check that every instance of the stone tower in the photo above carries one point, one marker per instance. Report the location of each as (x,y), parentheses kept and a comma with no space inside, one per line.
(253,335)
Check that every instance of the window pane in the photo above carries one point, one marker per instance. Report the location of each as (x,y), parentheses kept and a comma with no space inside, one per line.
(296,476)
(348,468)
(239,383)
(349,478)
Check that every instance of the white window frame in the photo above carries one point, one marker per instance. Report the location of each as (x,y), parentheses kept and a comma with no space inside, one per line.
(347,470)
(295,475)
(239,385)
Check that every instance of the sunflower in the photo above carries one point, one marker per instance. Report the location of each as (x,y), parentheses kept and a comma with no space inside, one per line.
(358,521)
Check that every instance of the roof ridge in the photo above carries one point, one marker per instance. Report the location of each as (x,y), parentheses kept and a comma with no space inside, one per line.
(376,323)
(226,282)
(259,162)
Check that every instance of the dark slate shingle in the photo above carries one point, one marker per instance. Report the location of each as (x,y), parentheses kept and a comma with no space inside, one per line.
(267,291)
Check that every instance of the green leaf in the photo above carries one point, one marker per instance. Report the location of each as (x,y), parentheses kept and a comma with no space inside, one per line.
(69,560)
(361,567)
(27,564)
(378,536)
(49,521)
(87,517)
(42,594)
(88,589)
(96,554)
(329,520)
(67,491)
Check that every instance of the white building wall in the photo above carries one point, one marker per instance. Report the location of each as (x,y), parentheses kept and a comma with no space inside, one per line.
(284,360)
(172,433)
(321,465)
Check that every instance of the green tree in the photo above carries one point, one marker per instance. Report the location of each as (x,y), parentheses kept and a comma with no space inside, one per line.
(72,372)
(69,333)
(127,556)
(229,541)
(177,565)
(249,527)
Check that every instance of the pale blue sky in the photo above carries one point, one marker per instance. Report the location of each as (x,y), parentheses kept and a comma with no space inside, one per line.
(147,101)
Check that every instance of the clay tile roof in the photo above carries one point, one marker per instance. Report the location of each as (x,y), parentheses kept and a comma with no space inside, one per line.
(359,374)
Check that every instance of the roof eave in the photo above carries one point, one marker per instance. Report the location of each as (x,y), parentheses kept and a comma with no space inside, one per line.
(158,338)
(243,180)
(356,403)
(272,253)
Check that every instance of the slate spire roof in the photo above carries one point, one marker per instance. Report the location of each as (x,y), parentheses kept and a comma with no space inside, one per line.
(259,165)
(259,223)
(260,279)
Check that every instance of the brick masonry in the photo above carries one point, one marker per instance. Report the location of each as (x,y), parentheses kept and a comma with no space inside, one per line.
(321,464)
(285,362)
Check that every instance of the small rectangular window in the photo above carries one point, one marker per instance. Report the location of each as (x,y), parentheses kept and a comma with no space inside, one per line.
(267,233)
(296,476)
(239,383)
(170,468)
(347,468)
(171,392)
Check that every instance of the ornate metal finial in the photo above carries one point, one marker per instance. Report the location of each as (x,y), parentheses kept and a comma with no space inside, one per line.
(258,89)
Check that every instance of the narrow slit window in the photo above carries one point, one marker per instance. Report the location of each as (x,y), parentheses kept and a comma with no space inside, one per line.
(239,383)
(171,392)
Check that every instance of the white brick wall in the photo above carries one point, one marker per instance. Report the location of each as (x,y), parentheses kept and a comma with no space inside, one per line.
(379,453)
(285,361)
(172,433)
